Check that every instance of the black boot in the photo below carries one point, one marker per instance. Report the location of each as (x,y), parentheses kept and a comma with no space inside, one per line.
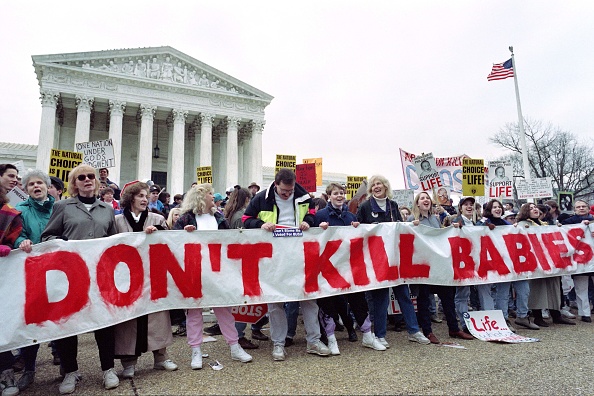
(559,319)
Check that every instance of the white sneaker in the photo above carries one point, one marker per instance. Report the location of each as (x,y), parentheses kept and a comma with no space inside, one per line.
(567,313)
(166,365)
(278,352)
(371,341)
(128,372)
(333,345)
(196,358)
(419,337)
(546,314)
(237,353)
(68,385)
(383,341)
(8,383)
(318,349)
(110,379)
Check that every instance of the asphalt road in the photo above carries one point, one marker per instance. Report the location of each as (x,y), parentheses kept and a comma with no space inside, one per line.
(562,363)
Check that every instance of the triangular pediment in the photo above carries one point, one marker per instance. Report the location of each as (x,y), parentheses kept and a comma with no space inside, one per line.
(155,64)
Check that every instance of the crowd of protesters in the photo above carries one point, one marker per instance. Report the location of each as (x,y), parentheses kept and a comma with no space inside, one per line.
(96,207)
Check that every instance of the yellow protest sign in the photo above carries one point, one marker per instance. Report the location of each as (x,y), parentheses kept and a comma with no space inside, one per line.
(318,162)
(61,163)
(473,177)
(204,174)
(285,161)
(353,184)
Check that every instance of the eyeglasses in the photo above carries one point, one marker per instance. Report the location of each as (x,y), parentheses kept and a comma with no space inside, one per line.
(90,176)
(283,191)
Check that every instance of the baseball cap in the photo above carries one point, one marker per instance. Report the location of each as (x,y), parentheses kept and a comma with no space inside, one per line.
(464,199)
(218,197)
(58,183)
(508,213)
(155,188)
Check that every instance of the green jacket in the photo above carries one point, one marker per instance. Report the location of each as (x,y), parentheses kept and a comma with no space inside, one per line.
(35,217)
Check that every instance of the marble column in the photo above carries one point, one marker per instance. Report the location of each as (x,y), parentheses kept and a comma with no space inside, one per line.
(47,130)
(206,139)
(247,158)
(256,154)
(176,152)
(217,179)
(240,159)
(145,142)
(196,149)
(84,104)
(232,157)
(116,119)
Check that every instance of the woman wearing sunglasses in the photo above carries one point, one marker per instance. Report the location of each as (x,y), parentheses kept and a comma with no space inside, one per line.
(83,216)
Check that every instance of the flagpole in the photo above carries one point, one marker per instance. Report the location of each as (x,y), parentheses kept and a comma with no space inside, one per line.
(520,120)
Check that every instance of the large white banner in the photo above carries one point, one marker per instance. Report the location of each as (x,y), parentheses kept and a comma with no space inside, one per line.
(64,288)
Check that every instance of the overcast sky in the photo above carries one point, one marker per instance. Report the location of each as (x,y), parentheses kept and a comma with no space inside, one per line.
(353,81)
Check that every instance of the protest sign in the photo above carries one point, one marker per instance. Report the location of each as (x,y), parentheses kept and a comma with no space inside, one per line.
(427,172)
(500,179)
(249,313)
(353,184)
(61,163)
(473,177)
(64,288)
(404,198)
(16,195)
(306,176)
(534,188)
(566,202)
(318,162)
(450,171)
(99,154)
(204,174)
(285,161)
(491,326)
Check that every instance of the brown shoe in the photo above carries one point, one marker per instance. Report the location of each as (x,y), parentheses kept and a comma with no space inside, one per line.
(258,335)
(433,338)
(460,334)
(246,344)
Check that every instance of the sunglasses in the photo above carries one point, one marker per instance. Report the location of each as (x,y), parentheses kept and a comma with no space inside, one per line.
(90,176)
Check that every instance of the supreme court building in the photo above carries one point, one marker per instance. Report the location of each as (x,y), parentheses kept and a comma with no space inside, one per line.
(165,112)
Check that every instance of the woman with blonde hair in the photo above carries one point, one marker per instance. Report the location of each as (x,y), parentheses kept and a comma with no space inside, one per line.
(174,214)
(422,216)
(379,208)
(199,213)
(83,216)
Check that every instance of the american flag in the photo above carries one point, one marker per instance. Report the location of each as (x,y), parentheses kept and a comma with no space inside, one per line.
(501,71)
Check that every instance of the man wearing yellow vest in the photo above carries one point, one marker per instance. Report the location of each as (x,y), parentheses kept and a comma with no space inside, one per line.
(286,203)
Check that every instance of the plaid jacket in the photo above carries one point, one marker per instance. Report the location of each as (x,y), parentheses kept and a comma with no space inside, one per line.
(11,225)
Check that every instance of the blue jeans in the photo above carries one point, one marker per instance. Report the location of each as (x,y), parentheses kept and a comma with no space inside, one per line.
(461,301)
(292,312)
(522,293)
(380,299)
(402,294)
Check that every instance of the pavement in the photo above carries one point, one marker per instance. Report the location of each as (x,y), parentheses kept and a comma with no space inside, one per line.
(562,363)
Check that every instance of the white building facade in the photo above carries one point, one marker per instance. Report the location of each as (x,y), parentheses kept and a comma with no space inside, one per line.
(146,98)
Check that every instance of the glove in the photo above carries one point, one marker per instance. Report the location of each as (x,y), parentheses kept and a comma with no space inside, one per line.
(491,226)
(4,250)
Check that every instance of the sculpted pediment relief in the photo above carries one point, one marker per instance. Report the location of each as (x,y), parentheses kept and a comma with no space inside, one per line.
(167,65)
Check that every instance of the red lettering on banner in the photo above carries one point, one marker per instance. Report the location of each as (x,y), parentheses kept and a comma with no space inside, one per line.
(407,268)
(485,324)
(583,252)
(250,256)
(379,259)
(540,254)
(38,309)
(188,280)
(214,251)
(316,264)
(557,249)
(491,259)
(518,248)
(105,275)
(461,249)
(357,261)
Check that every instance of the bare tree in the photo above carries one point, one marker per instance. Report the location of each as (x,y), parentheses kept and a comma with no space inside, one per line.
(552,152)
